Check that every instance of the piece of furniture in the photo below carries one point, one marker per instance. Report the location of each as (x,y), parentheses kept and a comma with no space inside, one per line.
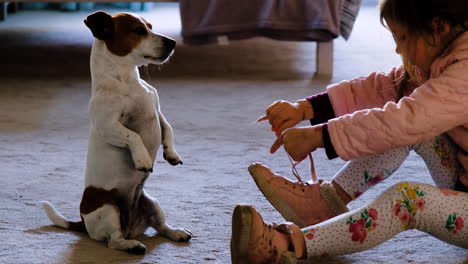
(207,21)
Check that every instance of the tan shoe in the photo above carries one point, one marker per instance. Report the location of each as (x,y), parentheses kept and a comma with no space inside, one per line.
(253,241)
(302,203)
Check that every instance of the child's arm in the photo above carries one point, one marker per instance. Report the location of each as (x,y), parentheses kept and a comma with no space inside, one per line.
(375,90)
(435,107)
(347,97)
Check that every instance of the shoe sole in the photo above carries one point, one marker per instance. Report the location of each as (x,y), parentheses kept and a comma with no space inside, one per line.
(276,201)
(240,237)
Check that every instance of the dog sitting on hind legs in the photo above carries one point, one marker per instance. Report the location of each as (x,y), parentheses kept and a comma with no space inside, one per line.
(127,128)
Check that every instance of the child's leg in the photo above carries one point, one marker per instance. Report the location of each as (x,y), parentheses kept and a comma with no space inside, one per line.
(440,154)
(408,205)
(358,175)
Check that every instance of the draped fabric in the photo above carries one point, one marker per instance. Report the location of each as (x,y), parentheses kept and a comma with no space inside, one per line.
(300,20)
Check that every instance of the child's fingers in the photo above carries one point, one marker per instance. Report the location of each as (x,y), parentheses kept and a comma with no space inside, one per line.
(272,106)
(276,145)
(283,126)
(276,116)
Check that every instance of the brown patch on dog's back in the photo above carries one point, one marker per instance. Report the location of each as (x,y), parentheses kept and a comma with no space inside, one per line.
(131,212)
(94,198)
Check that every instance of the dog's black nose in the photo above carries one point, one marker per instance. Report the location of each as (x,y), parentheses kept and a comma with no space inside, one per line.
(169,43)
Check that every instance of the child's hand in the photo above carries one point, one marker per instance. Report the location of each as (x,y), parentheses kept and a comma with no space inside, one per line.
(282,114)
(299,142)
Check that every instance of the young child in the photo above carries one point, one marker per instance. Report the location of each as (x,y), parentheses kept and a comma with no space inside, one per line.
(374,121)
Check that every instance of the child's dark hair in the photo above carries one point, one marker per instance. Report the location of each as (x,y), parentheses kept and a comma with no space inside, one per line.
(417,17)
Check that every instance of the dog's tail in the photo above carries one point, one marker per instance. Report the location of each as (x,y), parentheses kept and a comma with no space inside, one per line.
(59,220)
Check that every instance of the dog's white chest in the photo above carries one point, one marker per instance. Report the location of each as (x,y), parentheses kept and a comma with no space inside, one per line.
(122,119)
(140,115)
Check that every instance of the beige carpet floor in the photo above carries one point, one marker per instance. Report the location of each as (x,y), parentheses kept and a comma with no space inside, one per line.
(210,94)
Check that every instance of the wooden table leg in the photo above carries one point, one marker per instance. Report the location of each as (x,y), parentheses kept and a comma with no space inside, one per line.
(324,59)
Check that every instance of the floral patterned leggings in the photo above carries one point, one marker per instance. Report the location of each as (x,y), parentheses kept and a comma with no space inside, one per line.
(439,154)
(437,211)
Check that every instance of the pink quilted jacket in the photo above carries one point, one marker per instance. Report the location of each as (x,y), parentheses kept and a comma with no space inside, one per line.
(368,121)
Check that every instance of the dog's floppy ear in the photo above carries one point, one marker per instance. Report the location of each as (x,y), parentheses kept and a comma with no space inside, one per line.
(101,25)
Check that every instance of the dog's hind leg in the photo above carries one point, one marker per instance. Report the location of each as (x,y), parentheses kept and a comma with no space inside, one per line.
(157,220)
(104,224)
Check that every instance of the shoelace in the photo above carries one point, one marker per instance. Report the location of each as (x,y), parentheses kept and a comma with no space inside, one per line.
(313,174)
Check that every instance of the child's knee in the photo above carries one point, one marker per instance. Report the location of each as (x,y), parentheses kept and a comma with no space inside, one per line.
(408,199)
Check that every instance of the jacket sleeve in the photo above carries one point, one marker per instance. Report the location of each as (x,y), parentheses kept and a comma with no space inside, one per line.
(367,92)
(349,96)
(436,106)
(323,110)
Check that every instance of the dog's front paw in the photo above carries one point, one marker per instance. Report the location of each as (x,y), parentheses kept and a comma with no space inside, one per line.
(143,162)
(172,158)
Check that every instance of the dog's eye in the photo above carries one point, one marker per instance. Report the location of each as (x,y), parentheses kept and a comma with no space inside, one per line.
(140,31)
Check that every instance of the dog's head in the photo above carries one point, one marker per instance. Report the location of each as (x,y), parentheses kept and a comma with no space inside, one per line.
(129,35)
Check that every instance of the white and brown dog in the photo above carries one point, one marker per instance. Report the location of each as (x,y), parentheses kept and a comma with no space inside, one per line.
(127,128)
